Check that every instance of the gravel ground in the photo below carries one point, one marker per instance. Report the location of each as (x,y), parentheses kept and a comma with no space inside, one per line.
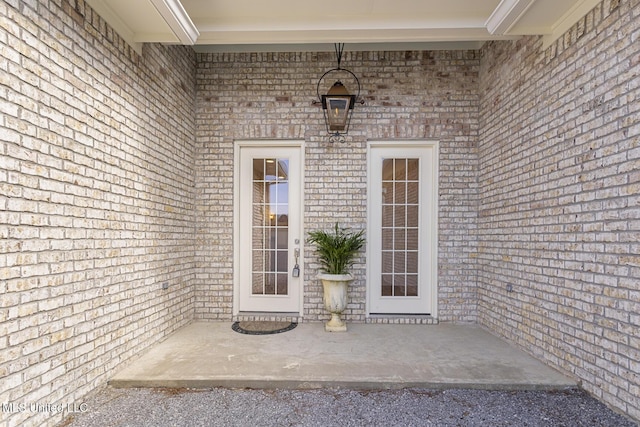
(342,407)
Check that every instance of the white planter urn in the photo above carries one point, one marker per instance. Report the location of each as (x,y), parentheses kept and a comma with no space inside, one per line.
(335,299)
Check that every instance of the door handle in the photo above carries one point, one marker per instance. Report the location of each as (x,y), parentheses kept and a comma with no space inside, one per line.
(296,268)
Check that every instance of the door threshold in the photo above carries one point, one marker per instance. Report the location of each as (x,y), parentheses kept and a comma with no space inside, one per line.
(254,316)
(402,319)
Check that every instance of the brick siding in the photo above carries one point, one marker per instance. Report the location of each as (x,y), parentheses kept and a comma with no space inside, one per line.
(559,214)
(408,95)
(116,177)
(96,202)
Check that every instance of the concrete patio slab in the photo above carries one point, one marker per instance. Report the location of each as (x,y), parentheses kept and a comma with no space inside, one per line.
(367,356)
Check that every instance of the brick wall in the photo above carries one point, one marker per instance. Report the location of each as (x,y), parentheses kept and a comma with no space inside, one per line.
(409,95)
(559,215)
(96,202)
(104,196)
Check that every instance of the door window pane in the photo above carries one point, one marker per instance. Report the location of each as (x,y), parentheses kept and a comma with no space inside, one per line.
(270,227)
(400,214)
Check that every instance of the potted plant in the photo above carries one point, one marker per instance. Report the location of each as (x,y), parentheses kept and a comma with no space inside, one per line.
(336,250)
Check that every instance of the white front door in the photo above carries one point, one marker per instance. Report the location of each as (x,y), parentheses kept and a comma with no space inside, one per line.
(402,232)
(269,230)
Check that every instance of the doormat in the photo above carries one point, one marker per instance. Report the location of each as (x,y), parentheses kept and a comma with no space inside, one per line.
(262,328)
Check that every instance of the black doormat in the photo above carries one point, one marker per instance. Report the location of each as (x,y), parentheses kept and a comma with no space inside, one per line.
(262,328)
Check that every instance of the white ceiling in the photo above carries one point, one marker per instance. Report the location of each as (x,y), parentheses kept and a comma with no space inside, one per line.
(275,25)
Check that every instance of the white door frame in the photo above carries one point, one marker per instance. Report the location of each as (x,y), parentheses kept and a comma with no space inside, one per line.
(428,230)
(236,215)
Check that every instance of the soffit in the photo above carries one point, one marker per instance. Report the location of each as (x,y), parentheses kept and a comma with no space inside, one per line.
(275,25)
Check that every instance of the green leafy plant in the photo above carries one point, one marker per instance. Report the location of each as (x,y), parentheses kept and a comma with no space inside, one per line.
(337,249)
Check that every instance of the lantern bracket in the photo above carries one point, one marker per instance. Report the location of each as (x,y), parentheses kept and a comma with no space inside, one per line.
(339,49)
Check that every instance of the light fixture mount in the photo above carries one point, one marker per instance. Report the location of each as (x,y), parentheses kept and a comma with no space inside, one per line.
(338,103)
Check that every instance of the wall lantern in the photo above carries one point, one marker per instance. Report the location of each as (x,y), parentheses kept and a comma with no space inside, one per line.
(338,103)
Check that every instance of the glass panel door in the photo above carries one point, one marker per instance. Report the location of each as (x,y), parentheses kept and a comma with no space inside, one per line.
(402,229)
(269,229)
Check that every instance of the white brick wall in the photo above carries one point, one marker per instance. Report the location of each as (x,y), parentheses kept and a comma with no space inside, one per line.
(417,95)
(560,206)
(112,182)
(96,202)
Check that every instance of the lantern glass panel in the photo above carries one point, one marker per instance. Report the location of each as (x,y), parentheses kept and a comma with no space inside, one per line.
(337,112)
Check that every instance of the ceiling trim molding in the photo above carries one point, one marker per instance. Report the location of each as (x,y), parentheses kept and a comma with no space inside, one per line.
(102,8)
(346,36)
(328,47)
(506,15)
(178,20)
